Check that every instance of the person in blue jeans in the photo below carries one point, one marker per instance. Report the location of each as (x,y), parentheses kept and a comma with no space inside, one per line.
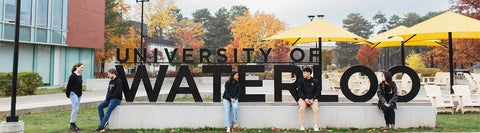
(113,98)
(74,92)
(230,99)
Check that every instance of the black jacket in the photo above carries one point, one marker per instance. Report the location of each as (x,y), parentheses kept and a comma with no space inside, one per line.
(231,90)
(74,84)
(308,88)
(115,88)
(385,97)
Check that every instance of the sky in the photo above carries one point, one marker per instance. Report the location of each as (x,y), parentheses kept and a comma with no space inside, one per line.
(295,12)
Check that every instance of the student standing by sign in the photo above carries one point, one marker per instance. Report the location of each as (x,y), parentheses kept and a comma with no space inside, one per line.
(230,99)
(113,98)
(74,92)
(308,90)
(387,95)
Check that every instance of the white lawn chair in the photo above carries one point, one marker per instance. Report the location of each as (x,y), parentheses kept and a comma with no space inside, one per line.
(442,79)
(465,102)
(473,85)
(405,85)
(436,98)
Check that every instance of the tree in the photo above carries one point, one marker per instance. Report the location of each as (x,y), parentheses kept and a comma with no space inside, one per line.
(251,29)
(470,8)
(367,56)
(380,21)
(345,52)
(115,29)
(159,16)
(327,58)
(414,61)
(393,22)
(130,41)
(281,48)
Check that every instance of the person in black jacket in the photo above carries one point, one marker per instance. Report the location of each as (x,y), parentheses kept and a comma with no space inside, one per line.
(230,99)
(113,98)
(74,92)
(387,98)
(308,90)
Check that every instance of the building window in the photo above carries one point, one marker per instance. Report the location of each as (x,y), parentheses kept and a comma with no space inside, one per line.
(25,33)
(1,10)
(42,13)
(57,14)
(41,35)
(25,11)
(9,31)
(56,36)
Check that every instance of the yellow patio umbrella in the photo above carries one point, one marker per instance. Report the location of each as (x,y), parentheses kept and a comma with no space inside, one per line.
(317,30)
(386,39)
(449,26)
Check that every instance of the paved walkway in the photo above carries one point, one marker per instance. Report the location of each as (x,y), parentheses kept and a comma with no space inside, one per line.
(55,102)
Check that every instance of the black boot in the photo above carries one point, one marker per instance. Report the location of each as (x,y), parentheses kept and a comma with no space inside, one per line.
(74,127)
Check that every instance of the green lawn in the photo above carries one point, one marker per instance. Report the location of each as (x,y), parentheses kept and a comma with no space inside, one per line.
(87,120)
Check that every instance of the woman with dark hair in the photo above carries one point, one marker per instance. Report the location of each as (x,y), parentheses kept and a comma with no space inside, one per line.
(74,92)
(387,98)
(230,99)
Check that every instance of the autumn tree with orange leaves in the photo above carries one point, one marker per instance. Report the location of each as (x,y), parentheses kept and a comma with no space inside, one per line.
(367,56)
(250,29)
(118,32)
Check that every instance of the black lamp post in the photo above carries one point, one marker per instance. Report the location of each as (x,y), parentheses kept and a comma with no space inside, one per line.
(141,30)
(13,117)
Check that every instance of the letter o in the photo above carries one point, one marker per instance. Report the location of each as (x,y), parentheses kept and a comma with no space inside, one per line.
(344,83)
(415,82)
(302,55)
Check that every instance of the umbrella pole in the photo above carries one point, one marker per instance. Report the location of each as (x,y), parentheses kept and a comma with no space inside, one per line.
(403,53)
(320,62)
(450,56)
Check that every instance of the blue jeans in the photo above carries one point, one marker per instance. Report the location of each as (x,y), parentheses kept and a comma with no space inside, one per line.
(110,105)
(229,107)
(75,105)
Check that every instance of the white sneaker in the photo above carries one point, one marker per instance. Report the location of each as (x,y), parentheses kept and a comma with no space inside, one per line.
(228,129)
(302,128)
(315,128)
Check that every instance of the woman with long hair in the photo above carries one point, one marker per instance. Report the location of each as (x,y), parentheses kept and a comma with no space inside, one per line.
(387,98)
(74,92)
(230,100)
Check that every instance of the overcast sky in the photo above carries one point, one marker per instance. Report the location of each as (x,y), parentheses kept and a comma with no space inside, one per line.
(295,12)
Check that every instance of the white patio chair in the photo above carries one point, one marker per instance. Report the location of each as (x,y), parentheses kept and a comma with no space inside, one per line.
(473,85)
(465,102)
(436,98)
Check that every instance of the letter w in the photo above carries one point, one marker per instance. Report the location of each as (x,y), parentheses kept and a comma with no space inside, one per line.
(142,74)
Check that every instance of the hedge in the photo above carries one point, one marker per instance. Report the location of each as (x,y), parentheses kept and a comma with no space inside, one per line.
(28,82)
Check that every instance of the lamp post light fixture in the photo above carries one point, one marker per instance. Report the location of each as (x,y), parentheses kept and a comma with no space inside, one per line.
(141,30)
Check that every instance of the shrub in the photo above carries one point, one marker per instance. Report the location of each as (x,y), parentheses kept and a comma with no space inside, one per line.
(430,72)
(28,82)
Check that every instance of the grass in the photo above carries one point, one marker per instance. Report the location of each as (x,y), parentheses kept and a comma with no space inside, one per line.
(87,120)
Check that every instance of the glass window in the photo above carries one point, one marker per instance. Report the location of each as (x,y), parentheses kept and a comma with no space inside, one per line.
(25,11)
(9,31)
(41,35)
(1,10)
(42,13)
(25,33)
(56,36)
(1,34)
(57,14)
(10,10)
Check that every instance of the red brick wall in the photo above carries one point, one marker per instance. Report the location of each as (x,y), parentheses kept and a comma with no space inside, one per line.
(86,23)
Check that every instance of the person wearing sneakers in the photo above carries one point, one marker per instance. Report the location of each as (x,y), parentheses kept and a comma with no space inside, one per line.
(230,100)
(387,98)
(74,92)
(308,90)
(113,98)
